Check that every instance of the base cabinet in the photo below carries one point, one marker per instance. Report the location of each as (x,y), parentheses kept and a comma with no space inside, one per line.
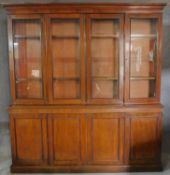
(87,142)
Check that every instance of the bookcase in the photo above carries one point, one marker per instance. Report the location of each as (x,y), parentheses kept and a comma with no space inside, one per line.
(85,87)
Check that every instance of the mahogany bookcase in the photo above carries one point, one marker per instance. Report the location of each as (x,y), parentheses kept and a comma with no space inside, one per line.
(85,86)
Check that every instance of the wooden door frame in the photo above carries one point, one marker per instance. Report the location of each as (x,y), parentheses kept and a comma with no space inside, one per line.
(120,17)
(51,99)
(155,99)
(12,61)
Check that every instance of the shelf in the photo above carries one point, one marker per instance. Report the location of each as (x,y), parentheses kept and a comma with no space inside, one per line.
(136,36)
(66,78)
(103,59)
(27,37)
(142,78)
(143,60)
(104,36)
(65,37)
(66,59)
(105,78)
(27,79)
(34,60)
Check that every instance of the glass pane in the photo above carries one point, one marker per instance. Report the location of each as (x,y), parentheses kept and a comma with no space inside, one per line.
(143,58)
(66,58)
(104,89)
(27,57)
(66,88)
(28,89)
(105,58)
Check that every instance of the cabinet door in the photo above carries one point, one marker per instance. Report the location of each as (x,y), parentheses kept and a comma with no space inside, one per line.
(105,139)
(66,40)
(66,139)
(26,59)
(143,52)
(105,58)
(29,139)
(144,137)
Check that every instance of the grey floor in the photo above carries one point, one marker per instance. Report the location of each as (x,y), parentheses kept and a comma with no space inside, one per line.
(5,155)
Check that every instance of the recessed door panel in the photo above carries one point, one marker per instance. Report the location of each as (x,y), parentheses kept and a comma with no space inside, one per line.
(29,136)
(144,137)
(66,138)
(105,138)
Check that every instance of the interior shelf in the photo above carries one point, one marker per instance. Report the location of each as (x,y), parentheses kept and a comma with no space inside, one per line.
(133,36)
(103,59)
(104,36)
(142,78)
(32,60)
(133,58)
(104,78)
(26,37)
(65,37)
(68,59)
(27,79)
(66,78)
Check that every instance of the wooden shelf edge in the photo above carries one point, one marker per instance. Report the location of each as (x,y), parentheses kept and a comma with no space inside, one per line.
(26,37)
(139,36)
(104,36)
(65,37)
(27,79)
(66,78)
(142,78)
(105,78)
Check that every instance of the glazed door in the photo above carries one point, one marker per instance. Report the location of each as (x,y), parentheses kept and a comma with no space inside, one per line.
(104,58)
(26,59)
(66,54)
(143,52)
